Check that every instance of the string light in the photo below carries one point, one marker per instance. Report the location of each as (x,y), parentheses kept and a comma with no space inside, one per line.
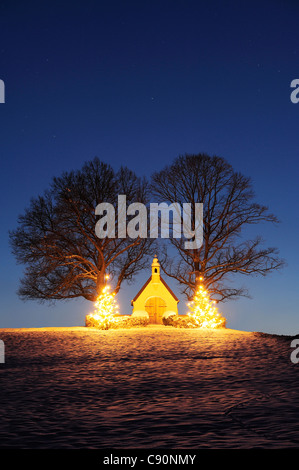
(203,310)
(106,310)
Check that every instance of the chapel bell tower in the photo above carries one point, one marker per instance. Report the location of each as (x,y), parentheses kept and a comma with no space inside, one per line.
(155,270)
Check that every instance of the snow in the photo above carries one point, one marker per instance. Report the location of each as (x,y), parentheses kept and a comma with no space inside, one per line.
(147,387)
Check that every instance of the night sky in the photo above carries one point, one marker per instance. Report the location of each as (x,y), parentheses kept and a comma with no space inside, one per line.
(139,83)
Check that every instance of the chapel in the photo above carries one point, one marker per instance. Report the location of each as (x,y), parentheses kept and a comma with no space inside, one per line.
(155,297)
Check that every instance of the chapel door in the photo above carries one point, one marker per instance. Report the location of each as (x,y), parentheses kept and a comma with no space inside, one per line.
(155,307)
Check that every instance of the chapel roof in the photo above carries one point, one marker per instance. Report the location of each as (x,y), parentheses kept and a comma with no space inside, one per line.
(147,282)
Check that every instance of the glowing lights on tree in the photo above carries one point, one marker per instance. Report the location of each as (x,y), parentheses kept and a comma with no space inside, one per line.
(204,312)
(106,310)
(106,304)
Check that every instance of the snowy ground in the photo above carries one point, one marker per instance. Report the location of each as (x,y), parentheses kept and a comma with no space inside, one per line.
(147,388)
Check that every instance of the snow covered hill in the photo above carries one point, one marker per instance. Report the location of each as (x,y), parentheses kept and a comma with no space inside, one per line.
(147,387)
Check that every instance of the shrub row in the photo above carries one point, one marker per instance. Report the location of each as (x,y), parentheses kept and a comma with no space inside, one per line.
(179,321)
(185,321)
(116,322)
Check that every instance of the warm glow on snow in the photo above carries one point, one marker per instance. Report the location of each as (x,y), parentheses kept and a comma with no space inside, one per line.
(204,312)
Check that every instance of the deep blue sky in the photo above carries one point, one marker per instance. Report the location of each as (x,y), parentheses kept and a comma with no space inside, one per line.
(138,83)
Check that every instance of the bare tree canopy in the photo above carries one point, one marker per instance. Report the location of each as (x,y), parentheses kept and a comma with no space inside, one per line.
(228,207)
(56,238)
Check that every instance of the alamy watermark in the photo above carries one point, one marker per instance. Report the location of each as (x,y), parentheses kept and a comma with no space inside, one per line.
(2,91)
(185,222)
(295,93)
(295,354)
(2,352)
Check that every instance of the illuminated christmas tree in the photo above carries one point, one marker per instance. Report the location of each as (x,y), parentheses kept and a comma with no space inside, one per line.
(204,313)
(105,311)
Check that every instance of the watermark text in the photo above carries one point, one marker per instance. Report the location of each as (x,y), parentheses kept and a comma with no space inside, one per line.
(2,352)
(164,220)
(295,353)
(2,91)
(295,93)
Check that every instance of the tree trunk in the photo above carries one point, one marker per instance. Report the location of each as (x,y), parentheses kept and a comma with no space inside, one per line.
(101,281)
(197,273)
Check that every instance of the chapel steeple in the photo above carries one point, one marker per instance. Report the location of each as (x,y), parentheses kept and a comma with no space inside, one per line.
(155,270)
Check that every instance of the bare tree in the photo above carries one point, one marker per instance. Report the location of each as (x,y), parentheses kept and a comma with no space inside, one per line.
(56,238)
(228,208)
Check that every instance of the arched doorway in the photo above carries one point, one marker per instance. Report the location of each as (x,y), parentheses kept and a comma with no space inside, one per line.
(155,307)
